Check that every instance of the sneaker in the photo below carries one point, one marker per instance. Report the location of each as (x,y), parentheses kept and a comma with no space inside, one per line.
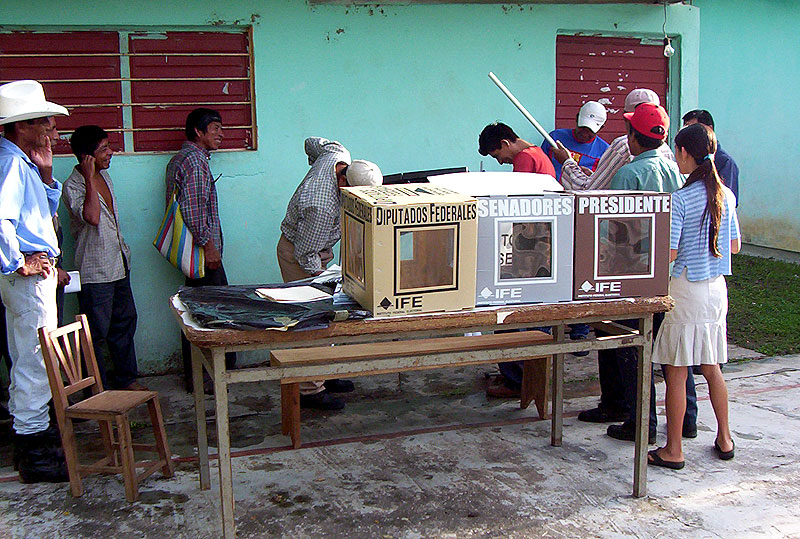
(339,385)
(602,415)
(321,401)
(689,431)
(627,433)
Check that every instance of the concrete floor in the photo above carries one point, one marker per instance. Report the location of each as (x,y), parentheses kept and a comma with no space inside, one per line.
(426,455)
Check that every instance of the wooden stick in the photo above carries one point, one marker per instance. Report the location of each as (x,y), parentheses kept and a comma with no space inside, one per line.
(523,110)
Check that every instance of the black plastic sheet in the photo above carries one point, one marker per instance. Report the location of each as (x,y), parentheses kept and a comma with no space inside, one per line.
(239,307)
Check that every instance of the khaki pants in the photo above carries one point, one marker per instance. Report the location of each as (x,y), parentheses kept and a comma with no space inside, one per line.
(292,271)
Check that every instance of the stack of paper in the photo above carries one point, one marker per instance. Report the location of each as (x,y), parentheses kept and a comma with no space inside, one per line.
(293,294)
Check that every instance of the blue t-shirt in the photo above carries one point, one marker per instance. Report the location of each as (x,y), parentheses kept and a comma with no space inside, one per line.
(689,233)
(586,154)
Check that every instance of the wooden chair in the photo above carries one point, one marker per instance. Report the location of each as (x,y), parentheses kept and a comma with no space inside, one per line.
(67,350)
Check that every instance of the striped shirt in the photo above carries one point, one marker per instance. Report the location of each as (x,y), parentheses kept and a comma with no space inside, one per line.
(98,249)
(690,236)
(189,169)
(312,221)
(617,155)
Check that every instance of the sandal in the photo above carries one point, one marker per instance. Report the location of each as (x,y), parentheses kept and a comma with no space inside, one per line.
(655,460)
(724,455)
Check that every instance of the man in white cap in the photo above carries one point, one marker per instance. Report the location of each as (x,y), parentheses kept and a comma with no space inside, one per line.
(585,147)
(617,154)
(28,246)
(312,227)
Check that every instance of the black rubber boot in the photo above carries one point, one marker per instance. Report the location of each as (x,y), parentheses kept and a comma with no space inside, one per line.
(39,458)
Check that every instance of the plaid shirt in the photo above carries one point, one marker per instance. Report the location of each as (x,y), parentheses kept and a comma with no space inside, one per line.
(312,217)
(197,194)
(98,249)
(615,156)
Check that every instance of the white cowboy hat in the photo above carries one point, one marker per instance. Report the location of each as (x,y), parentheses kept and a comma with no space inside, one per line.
(24,100)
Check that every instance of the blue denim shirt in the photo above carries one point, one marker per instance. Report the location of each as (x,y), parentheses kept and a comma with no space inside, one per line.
(27,207)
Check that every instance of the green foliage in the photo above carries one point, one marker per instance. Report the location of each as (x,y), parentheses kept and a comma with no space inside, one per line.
(764,305)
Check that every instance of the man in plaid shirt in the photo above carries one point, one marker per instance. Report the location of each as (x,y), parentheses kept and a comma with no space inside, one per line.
(310,230)
(190,173)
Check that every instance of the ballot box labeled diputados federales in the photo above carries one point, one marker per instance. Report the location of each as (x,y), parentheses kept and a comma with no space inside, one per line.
(408,249)
(621,244)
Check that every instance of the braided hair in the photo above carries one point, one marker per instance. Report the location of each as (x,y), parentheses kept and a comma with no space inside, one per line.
(700,142)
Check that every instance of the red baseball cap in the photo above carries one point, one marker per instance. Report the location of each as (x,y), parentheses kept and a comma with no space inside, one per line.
(650,120)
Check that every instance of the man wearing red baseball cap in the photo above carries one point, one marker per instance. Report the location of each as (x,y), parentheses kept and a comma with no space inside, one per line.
(648,125)
(650,170)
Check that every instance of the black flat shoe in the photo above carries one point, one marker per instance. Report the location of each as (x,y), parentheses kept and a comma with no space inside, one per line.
(724,455)
(627,433)
(339,385)
(655,460)
(321,401)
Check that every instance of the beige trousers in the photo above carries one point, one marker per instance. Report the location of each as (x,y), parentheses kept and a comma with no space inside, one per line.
(292,271)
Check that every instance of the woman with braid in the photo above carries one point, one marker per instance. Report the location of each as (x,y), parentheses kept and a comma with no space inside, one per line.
(704,235)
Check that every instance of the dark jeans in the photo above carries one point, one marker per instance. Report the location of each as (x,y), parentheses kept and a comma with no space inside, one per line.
(578,331)
(215,277)
(622,365)
(111,312)
(512,370)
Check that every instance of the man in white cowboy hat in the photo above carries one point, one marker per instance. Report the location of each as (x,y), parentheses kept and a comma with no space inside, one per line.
(310,230)
(28,199)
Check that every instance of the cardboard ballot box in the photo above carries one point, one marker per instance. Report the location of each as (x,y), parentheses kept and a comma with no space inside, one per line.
(621,244)
(525,233)
(408,249)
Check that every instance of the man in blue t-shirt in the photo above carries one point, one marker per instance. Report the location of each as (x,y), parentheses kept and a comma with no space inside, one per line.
(582,142)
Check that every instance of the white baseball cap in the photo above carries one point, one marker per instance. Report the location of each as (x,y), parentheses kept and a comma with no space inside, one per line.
(592,115)
(363,173)
(639,96)
(24,100)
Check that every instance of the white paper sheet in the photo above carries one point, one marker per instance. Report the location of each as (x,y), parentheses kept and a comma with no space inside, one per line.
(294,294)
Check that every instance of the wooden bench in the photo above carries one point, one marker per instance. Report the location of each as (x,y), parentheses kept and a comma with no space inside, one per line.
(411,355)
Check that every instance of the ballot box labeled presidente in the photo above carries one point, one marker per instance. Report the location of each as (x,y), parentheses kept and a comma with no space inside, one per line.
(621,244)
(408,249)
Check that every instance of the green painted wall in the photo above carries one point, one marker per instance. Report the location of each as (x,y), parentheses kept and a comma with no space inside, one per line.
(749,79)
(403,86)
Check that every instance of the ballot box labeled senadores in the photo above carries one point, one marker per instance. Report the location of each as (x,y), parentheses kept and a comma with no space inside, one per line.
(525,229)
(408,249)
(621,244)
(525,248)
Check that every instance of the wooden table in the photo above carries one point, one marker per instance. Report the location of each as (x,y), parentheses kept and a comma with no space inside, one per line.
(209,347)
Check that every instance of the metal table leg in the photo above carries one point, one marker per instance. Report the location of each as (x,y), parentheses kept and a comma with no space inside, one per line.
(223,443)
(644,372)
(557,421)
(200,418)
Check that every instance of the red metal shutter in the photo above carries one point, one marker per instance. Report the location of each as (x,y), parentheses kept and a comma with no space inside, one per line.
(605,69)
(79,70)
(175,72)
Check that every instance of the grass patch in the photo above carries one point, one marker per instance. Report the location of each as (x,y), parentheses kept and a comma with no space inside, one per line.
(764,305)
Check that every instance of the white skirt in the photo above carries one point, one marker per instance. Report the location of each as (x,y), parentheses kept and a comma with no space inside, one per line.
(695,331)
